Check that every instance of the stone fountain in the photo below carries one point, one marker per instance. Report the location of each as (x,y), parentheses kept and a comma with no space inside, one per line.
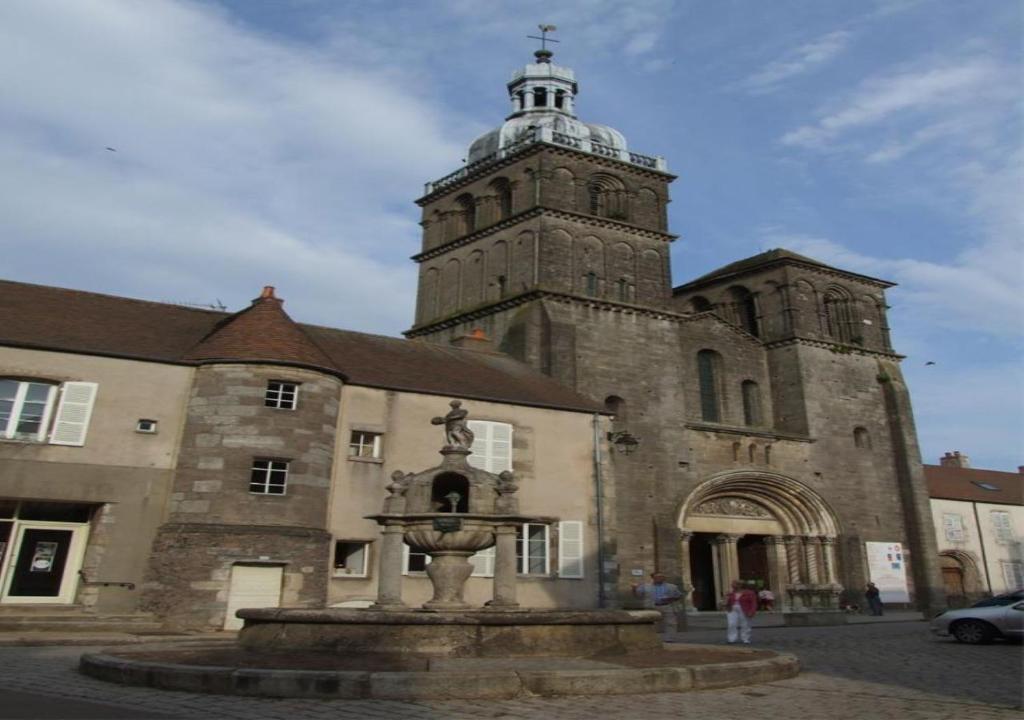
(450,512)
(445,649)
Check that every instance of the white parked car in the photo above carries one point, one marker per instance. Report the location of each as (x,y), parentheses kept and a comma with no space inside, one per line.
(999,616)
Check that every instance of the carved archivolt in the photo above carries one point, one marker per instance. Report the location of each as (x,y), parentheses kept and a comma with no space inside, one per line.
(731,506)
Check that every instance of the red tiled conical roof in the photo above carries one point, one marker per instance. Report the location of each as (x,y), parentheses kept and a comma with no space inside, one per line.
(261,332)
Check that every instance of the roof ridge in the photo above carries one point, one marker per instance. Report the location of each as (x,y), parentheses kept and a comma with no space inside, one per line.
(120,298)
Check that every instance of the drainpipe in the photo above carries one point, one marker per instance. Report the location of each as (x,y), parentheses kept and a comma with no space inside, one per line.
(981,544)
(599,490)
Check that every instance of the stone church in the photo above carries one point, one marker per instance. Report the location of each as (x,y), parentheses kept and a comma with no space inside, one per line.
(774,429)
(168,464)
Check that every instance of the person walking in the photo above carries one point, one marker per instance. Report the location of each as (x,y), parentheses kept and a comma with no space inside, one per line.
(663,597)
(741,606)
(873,596)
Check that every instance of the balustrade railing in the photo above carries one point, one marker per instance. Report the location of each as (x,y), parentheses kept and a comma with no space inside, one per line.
(543,134)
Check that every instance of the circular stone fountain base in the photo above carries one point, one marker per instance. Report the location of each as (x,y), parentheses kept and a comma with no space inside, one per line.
(409,655)
(501,634)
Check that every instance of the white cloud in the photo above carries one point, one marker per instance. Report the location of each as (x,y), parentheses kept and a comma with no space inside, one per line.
(798,61)
(239,161)
(879,99)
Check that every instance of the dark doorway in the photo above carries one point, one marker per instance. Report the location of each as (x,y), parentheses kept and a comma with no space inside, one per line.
(753,557)
(702,571)
(39,568)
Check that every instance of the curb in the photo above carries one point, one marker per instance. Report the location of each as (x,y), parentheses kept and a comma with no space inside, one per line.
(360,685)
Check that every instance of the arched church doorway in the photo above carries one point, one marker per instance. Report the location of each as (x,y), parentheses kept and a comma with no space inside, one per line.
(762,528)
(960,577)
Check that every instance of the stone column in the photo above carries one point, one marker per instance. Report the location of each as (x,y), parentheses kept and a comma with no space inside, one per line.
(727,564)
(793,559)
(812,551)
(778,570)
(828,556)
(504,568)
(685,570)
(389,569)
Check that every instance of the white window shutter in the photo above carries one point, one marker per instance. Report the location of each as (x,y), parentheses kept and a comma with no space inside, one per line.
(570,549)
(492,446)
(72,420)
(483,563)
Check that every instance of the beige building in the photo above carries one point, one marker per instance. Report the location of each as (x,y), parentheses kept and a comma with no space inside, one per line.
(979,528)
(186,463)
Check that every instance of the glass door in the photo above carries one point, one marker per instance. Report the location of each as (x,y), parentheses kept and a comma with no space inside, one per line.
(41,564)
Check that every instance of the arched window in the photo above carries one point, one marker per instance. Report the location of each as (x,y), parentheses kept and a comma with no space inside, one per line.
(540,97)
(709,375)
(700,304)
(751,403)
(744,310)
(840,317)
(521,97)
(592,284)
(862,438)
(467,211)
(607,197)
(502,198)
(560,99)
(623,288)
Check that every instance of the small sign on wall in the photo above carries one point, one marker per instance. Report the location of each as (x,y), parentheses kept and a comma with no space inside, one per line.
(887,569)
(637,572)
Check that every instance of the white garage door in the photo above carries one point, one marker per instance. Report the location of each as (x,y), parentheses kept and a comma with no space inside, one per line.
(252,586)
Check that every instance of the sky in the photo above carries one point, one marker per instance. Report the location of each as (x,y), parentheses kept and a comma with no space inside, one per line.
(192,152)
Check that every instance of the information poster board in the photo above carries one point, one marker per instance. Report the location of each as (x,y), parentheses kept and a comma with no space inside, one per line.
(888,571)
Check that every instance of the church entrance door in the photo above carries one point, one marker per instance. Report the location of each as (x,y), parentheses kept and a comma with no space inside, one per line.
(753,559)
(702,572)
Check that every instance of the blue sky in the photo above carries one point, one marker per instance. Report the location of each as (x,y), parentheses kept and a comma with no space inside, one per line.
(283,142)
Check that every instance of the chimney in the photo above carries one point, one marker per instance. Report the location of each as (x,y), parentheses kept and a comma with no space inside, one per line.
(955,459)
(475,340)
(267,294)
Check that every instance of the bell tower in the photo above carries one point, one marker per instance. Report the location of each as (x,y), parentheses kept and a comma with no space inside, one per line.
(548,208)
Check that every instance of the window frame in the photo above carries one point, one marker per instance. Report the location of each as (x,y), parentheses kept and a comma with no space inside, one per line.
(953,528)
(709,386)
(18,401)
(376,446)
(269,470)
(1002,530)
(523,555)
(339,571)
(274,398)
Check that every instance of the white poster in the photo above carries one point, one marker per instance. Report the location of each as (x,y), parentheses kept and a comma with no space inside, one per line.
(888,571)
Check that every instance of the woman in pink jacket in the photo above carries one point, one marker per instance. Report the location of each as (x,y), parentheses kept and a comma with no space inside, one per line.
(741,606)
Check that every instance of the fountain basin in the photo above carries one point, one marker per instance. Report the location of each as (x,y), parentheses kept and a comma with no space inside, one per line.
(482,634)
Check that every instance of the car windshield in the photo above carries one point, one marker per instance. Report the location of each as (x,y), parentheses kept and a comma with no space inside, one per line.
(999,600)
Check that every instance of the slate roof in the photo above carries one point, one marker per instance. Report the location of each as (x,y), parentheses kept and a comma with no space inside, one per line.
(957,483)
(62,320)
(769,257)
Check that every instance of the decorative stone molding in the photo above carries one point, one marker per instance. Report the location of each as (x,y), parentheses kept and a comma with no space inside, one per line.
(731,506)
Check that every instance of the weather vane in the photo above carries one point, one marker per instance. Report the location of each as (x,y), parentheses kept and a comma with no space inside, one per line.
(544,39)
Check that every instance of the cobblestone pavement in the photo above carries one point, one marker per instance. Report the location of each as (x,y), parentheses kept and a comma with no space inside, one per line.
(893,671)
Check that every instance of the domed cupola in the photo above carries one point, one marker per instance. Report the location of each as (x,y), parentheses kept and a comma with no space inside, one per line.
(543,97)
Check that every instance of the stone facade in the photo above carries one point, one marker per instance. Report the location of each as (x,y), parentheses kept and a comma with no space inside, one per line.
(228,427)
(774,367)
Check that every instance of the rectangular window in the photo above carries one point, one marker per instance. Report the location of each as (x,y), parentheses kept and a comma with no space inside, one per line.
(351,557)
(269,477)
(953,527)
(570,549)
(532,549)
(29,410)
(1001,526)
(25,409)
(413,562)
(492,446)
(364,444)
(281,395)
(1013,574)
